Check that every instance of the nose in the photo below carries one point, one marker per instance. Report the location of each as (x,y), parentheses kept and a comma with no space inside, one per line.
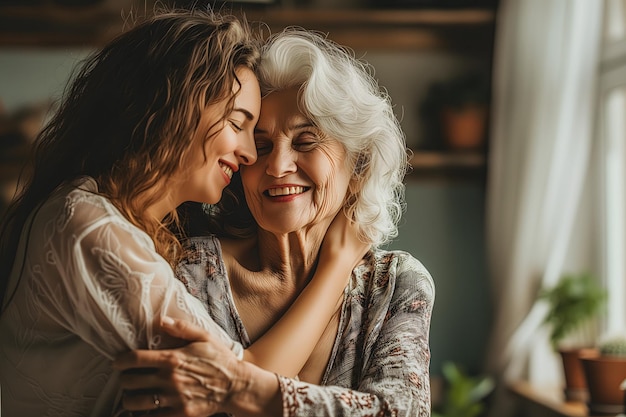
(280,161)
(246,153)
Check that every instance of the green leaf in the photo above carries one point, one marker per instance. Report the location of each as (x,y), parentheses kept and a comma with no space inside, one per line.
(464,394)
(574,300)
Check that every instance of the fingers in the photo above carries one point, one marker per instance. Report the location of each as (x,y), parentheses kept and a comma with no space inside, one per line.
(168,405)
(344,229)
(149,359)
(146,401)
(142,381)
(343,236)
(195,378)
(178,392)
(185,330)
(180,329)
(195,356)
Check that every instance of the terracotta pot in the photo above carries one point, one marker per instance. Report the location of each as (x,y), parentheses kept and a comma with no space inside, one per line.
(604,374)
(575,381)
(464,128)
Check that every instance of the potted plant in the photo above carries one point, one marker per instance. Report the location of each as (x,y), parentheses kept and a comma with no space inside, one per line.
(455,110)
(605,371)
(464,395)
(573,304)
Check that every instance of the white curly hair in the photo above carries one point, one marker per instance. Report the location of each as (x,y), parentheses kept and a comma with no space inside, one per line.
(340,95)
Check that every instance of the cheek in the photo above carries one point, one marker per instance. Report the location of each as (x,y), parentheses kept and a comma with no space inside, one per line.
(213,146)
(333,188)
(249,175)
(224,142)
(338,172)
(250,181)
(194,156)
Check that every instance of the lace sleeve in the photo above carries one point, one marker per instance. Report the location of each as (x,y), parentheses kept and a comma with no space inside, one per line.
(114,288)
(395,380)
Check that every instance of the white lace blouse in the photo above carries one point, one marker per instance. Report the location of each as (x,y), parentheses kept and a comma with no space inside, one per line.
(86,285)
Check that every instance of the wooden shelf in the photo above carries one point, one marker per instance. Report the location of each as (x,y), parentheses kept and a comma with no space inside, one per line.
(448,166)
(52,25)
(366,29)
(376,17)
(444,160)
(546,401)
(464,30)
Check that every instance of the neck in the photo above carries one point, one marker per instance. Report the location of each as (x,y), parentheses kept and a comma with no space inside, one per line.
(165,204)
(160,209)
(292,256)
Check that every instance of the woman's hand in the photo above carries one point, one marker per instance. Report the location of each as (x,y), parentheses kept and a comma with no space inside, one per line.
(195,380)
(342,243)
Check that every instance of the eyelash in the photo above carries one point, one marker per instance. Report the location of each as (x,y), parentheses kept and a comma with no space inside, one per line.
(305,145)
(235,126)
(306,139)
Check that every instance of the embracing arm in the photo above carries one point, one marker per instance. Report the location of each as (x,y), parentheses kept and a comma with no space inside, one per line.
(199,379)
(395,374)
(286,346)
(394,382)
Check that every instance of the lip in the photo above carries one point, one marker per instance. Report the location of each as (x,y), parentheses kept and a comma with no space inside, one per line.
(233,168)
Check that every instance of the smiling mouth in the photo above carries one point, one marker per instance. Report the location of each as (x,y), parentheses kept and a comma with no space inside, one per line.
(227,170)
(283,191)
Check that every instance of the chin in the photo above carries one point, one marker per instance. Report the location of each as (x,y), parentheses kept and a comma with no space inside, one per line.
(211,199)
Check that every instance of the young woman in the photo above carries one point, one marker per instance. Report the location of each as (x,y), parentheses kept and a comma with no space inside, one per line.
(162,115)
(327,142)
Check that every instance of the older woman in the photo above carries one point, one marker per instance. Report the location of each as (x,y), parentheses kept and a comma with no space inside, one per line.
(327,140)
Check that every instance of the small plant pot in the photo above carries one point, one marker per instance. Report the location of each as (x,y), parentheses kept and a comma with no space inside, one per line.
(575,381)
(464,128)
(604,375)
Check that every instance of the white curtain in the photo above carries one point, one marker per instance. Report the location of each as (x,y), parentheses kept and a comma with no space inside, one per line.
(544,95)
(611,161)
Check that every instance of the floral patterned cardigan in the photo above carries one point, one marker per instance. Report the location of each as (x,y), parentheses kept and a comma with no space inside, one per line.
(379,365)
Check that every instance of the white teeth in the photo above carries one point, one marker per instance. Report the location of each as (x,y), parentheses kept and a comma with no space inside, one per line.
(275,192)
(227,170)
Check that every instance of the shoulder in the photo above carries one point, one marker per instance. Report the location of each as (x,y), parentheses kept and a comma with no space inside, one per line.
(203,272)
(76,209)
(406,274)
(201,249)
(202,257)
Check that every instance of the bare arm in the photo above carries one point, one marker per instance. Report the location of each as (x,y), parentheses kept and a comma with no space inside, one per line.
(197,380)
(394,373)
(285,348)
(395,380)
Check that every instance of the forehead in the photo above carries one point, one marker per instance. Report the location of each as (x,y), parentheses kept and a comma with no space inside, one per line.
(281,108)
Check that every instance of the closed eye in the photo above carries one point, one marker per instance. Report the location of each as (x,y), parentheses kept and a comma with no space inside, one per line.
(306,141)
(235,126)
(305,146)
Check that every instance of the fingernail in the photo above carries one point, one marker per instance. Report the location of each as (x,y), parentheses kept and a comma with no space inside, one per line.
(168,321)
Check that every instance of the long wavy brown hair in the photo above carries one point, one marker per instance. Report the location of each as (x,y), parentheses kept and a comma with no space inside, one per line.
(129,116)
